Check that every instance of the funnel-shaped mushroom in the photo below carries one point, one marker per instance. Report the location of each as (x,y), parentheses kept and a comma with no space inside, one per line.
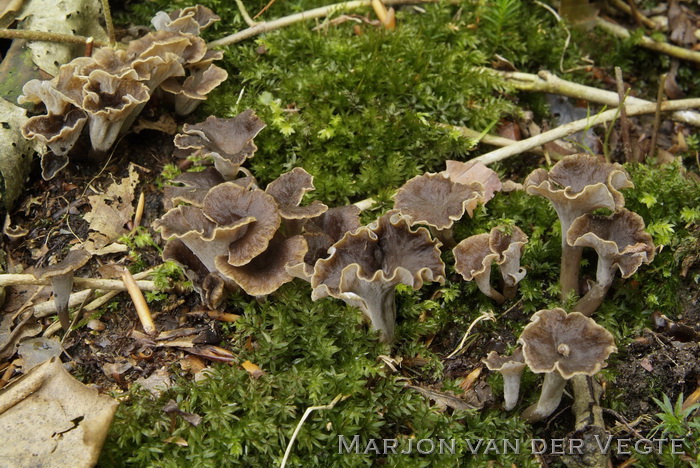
(473,171)
(437,201)
(265,273)
(366,265)
(61,275)
(511,368)
(195,186)
(190,20)
(562,345)
(194,89)
(621,243)
(576,185)
(475,255)
(228,141)
(288,190)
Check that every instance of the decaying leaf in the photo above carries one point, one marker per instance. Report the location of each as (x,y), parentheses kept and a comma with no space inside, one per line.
(111,211)
(38,350)
(15,153)
(253,369)
(11,335)
(443,400)
(49,419)
(8,11)
(172,409)
(157,382)
(71,17)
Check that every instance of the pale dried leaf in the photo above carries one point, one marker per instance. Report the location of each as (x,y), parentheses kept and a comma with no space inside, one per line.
(38,350)
(15,153)
(112,210)
(49,419)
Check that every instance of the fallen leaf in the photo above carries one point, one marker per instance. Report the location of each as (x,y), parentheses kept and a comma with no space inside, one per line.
(38,350)
(15,153)
(157,382)
(443,400)
(468,381)
(253,369)
(192,364)
(48,418)
(112,210)
(177,441)
(646,365)
(172,408)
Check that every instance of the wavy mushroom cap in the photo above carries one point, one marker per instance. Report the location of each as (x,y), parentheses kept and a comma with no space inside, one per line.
(228,141)
(514,363)
(570,344)
(437,201)
(44,91)
(190,20)
(195,186)
(619,239)
(194,89)
(579,184)
(387,251)
(59,132)
(289,189)
(267,272)
(229,202)
(473,171)
(473,256)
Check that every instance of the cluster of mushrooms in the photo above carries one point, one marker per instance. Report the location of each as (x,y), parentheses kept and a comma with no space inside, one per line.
(102,95)
(228,233)
(560,345)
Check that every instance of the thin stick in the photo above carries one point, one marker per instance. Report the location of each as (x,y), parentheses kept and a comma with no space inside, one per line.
(269,4)
(492,140)
(108,22)
(485,316)
(649,43)
(46,36)
(244,14)
(83,283)
(138,215)
(578,125)
(631,9)
(547,82)
(140,304)
(624,123)
(303,418)
(267,26)
(657,115)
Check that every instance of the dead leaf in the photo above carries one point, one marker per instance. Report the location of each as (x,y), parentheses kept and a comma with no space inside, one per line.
(646,364)
(468,381)
(177,441)
(443,400)
(49,419)
(192,364)
(15,153)
(172,408)
(213,353)
(157,382)
(473,171)
(11,334)
(253,369)
(38,350)
(165,123)
(680,25)
(112,210)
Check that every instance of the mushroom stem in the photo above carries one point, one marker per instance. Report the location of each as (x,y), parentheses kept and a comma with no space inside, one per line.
(446,236)
(570,264)
(62,286)
(552,390)
(590,302)
(380,308)
(511,388)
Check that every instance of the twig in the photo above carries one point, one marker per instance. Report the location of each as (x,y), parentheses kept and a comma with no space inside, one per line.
(578,125)
(657,114)
(308,411)
(108,22)
(139,301)
(631,9)
(492,140)
(138,215)
(267,26)
(46,36)
(244,14)
(624,123)
(649,43)
(484,316)
(269,4)
(84,283)
(547,82)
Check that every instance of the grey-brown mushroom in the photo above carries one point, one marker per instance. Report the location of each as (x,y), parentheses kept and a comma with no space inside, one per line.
(365,266)
(437,201)
(61,276)
(475,255)
(621,243)
(576,185)
(561,346)
(511,368)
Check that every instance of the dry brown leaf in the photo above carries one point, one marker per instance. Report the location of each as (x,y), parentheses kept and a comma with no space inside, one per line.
(468,381)
(177,441)
(34,351)
(112,210)
(253,369)
(49,419)
(443,400)
(192,364)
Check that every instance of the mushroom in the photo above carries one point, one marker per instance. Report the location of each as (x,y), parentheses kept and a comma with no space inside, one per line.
(576,185)
(621,243)
(561,346)
(365,266)
(265,273)
(437,201)
(474,171)
(61,276)
(195,186)
(228,141)
(190,20)
(194,89)
(511,368)
(288,190)
(475,255)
